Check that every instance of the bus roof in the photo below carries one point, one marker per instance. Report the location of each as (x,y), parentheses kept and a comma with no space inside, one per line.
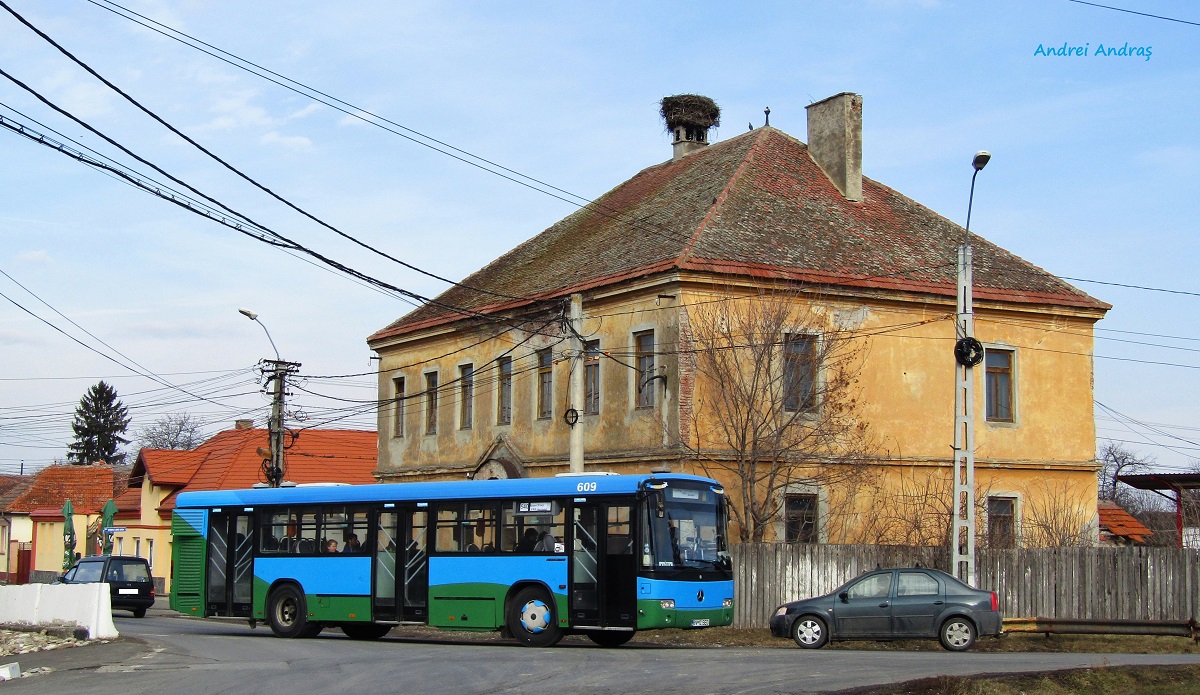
(559,486)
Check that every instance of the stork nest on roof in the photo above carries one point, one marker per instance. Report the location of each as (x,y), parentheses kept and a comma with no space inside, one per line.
(690,111)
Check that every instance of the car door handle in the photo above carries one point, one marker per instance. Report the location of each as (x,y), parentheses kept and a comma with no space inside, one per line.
(938,603)
(884,604)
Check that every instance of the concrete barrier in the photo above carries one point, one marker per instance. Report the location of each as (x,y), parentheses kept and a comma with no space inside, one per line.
(85,605)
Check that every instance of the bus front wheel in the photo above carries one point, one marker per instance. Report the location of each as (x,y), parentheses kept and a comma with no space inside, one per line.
(287,612)
(531,619)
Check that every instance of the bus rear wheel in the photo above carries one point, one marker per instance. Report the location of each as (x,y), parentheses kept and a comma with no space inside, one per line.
(365,631)
(611,638)
(287,613)
(531,619)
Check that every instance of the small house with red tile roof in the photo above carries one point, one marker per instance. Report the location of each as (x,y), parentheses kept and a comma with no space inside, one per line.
(88,488)
(476,382)
(228,460)
(15,529)
(1119,527)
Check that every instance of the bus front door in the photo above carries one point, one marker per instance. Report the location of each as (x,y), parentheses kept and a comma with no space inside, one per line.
(603,573)
(230,564)
(401,584)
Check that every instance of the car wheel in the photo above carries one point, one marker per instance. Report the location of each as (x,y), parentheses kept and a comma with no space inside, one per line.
(365,631)
(809,632)
(531,619)
(139,612)
(611,638)
(287,613)
(957,634)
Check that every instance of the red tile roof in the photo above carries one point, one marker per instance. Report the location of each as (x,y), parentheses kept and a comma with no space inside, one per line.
(88,488)
(754,205)
(231,460)
(1119,522)
(166,467)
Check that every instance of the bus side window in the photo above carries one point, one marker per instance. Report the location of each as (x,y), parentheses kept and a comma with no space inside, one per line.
(448,533)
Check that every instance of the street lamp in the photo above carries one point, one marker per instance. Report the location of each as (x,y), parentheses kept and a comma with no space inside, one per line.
(277,371)
(978,162)
(968,352)
(254,317)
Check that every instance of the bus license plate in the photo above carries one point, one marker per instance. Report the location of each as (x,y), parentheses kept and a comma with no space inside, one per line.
(700,622)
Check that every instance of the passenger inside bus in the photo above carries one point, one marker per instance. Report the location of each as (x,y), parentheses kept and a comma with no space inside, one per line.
(528,541)
(352,545)
(331,546)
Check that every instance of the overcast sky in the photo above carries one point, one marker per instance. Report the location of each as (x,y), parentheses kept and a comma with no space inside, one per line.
(1093,175)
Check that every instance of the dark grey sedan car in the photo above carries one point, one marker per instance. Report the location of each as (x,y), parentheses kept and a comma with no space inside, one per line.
(888,604)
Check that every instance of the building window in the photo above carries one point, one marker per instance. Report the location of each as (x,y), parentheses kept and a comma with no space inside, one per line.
(643,345)
(591,377)
(545,362)
(120,546)
(398,407)
(466,393)
(504,391)
(150,552)
(1002,522)
(431,402)
(998,378)
(800,517)
(137,547)
(799,373)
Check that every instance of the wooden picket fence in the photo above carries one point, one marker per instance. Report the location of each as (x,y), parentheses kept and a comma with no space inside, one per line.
(1127,583)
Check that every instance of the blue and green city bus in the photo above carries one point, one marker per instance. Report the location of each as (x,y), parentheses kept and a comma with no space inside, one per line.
(596,554)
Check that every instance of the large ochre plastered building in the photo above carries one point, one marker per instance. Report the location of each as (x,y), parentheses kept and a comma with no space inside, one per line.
(476,383)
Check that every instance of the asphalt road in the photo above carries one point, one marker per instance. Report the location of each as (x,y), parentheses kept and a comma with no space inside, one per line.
(163,654)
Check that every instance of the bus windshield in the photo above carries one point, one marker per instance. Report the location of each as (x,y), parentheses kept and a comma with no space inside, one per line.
(686,530)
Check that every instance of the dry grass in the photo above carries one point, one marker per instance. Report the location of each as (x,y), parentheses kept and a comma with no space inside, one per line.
(1126,680)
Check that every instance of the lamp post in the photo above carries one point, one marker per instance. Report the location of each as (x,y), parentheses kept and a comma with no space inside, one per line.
(276,372)
(254,316)
(968,352)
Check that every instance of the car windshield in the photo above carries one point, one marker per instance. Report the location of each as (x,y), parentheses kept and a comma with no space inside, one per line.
(87,572)
(686,529)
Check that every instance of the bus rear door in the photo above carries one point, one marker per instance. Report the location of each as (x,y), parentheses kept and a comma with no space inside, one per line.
(230,563)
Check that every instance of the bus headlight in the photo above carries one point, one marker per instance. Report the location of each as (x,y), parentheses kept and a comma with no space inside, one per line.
(727,603)
(668,604)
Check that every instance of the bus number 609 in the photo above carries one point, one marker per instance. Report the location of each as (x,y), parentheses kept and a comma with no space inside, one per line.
(586,487)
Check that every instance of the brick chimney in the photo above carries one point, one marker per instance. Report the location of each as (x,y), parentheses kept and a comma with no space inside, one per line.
(835,141)
(243,424)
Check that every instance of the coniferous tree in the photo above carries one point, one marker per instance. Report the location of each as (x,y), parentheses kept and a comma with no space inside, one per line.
(100,420)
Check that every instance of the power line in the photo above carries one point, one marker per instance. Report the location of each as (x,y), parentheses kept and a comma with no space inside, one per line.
(250,228)
(379,121)
(229,166)
(1141,14)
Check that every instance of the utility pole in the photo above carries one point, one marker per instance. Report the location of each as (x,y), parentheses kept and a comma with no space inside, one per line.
(968,352)
(276,372)
(577,386)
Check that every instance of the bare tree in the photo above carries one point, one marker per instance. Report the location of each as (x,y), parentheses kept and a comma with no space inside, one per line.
(1115,460)
(171,431)
(912,507)
(1058,514)
(776,390)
